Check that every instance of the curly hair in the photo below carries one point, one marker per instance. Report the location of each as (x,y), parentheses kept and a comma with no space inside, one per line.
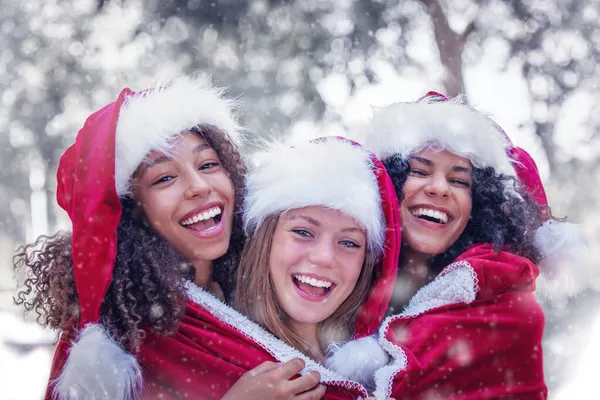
(147,289)
(503,218)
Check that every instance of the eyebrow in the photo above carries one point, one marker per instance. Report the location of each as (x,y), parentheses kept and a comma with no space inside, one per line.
(430,163)
(317,223)
(308,219)
(151,163)
(201,147)
(162,159)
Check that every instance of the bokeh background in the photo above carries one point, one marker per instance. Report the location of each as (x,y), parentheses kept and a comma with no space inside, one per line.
(305,67)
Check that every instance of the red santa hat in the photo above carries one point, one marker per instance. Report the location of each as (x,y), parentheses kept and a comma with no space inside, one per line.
(332,172)
(402,129)
(92,175)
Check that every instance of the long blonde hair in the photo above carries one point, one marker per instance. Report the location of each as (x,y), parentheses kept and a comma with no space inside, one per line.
(255,295)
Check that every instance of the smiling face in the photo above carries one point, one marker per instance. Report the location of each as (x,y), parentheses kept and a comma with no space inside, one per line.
(436,204)
(316,258)
(188,197)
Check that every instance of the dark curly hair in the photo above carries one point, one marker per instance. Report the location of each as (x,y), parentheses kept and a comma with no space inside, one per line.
(147,289)
(499,216)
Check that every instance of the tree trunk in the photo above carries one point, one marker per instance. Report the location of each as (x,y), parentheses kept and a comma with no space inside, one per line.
(450,45)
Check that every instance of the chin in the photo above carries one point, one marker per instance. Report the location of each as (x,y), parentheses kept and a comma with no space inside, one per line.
(305,317)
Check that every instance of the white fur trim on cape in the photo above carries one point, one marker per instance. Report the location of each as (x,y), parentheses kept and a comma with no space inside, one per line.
(358,360)
(456,284)
(332,173)
(97,368)
(405,128)
(150,119)
(566,269)
(280,350)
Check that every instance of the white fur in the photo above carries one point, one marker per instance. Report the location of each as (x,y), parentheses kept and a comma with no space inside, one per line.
(332,173)
(98,368)
(566,269)
(150,119)
(358,360)
(405,128)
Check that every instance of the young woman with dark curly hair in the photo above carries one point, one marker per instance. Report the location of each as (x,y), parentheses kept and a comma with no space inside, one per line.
(153,186)
(464,322)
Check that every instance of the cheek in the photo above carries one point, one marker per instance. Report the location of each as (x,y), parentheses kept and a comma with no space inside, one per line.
(351,268)
(223,183)
(410,187)
(157,209)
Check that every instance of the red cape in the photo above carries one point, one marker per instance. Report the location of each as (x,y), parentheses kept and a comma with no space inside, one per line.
(475,332)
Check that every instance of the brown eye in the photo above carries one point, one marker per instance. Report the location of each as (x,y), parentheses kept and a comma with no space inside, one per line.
(417,172)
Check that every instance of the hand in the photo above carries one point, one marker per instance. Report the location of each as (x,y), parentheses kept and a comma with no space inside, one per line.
(271,381)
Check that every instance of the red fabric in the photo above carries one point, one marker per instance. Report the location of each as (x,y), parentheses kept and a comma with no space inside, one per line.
(488,349)
(86,191)
(372,312)
(528,174)
(203,360)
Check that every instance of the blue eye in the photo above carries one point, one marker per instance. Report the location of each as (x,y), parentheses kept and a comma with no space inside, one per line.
(349,244)
(162,179)
(302,232)
(209,165)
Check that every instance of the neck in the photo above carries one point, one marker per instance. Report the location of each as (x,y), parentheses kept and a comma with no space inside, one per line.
(203,273)
(413,274)
(308,332)
(415,264)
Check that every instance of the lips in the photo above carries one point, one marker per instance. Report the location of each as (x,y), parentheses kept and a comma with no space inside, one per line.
(312,287)
(431,214)
(203,219)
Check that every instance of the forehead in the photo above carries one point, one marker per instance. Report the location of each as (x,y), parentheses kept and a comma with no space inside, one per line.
(187,142)
(443,157)
(323,215)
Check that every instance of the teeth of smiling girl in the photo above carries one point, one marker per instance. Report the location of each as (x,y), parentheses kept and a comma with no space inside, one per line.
(312,281)
(439,215)
(202,216)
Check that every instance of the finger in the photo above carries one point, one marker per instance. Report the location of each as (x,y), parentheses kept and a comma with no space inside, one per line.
(262,368)
(313,394)
(290,368)
(304,383)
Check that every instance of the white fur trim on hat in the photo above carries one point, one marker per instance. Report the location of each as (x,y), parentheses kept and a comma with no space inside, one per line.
(565,269)
(405,128)
(98,368)
(332,173)
(150,119)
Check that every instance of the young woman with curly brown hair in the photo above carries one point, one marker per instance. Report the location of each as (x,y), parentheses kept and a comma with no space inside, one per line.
(153,187)
(464,322)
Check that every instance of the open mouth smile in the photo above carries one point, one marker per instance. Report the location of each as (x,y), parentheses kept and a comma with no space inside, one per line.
(431,215)
(204,220)
(311,287)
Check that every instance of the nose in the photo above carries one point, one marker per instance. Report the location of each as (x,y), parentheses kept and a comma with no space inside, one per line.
(323,254)
(197,185)
(437,186)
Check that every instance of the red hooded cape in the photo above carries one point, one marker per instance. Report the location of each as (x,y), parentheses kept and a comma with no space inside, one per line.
(215,345)
(475,332)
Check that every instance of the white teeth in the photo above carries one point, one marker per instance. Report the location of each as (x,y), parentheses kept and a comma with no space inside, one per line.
(202,216)
(313,282)
(439,215)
